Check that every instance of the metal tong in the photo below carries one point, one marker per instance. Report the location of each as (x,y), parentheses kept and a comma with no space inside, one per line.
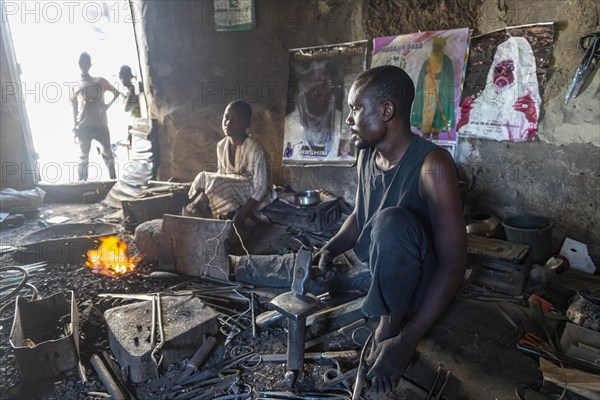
(156,320)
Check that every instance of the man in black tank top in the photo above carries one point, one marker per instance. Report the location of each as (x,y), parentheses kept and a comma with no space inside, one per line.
(407,223)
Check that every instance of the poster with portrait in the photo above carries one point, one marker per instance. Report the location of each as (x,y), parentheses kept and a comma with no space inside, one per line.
(319,81)
(435,61)
(504,84)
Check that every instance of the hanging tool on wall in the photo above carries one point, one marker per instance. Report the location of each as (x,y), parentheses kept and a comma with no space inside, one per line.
(590,46)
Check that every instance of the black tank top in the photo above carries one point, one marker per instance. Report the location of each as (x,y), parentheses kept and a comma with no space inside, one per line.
(396,187)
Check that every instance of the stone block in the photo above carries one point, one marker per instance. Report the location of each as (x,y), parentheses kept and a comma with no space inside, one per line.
(185,321)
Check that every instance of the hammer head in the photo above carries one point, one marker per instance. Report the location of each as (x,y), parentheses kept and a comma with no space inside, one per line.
(301,272)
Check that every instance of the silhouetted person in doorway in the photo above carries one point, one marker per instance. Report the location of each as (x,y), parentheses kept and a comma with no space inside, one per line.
(132,100)
(89,117)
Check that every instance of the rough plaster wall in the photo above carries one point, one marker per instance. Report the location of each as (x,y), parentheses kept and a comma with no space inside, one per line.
(393,17)
(558,182)
(15,168)
(184,53)
(195,71)
(557,177)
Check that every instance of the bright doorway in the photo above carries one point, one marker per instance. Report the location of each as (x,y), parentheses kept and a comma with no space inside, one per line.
(48,37)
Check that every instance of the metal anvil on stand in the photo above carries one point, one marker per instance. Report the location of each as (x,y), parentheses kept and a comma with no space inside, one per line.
(296,305)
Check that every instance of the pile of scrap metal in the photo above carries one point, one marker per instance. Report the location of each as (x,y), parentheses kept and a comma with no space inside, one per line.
(206,340)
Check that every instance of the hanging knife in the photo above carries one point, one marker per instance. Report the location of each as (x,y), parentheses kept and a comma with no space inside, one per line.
(590,45)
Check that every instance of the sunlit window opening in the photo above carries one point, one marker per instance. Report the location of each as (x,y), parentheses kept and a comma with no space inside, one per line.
(48,37)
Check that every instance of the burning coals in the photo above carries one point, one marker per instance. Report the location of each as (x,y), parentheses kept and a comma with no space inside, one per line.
(111,258)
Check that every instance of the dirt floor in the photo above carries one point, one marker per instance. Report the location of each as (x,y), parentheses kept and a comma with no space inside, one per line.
(472,344)
(59,277)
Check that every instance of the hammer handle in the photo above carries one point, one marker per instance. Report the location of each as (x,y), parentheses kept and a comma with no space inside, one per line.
(202,354)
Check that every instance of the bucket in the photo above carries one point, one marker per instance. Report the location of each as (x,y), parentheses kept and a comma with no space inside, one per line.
(533,231)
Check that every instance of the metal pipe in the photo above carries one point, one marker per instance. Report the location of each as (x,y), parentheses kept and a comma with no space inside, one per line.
(117,374)
(107,380)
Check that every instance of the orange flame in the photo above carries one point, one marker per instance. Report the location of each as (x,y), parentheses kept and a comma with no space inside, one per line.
(111,258)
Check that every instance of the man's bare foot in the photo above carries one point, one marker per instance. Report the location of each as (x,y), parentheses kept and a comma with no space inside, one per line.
(388,327)
(390,355)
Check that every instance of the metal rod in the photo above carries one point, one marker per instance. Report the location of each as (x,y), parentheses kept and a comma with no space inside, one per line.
(331,313)
(252,314)
(435,382)
(361,372)
(446,379)
(339,331)
(153,324)
(164,183)
(342,354)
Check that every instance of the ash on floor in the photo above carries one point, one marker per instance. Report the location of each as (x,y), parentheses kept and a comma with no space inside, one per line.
(473,342)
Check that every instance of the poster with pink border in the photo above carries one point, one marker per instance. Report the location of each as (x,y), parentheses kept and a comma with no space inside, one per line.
(435,61)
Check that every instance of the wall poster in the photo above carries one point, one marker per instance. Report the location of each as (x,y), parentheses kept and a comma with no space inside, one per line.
(319,81)
(234,15)
(435,61)
(504,84)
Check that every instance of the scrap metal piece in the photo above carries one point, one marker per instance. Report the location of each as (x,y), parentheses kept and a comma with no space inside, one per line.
(195,246)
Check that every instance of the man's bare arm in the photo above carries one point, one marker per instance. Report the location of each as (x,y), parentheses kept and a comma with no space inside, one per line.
(109,88)
(342,241)
(115,93)
(439,187)
(75,105)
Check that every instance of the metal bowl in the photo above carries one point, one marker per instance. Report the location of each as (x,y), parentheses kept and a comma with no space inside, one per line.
(308,197)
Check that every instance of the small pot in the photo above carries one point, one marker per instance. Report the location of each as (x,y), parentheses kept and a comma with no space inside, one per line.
(308,197)
(483,224)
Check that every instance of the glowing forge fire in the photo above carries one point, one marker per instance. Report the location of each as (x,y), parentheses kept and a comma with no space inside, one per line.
(111,258)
